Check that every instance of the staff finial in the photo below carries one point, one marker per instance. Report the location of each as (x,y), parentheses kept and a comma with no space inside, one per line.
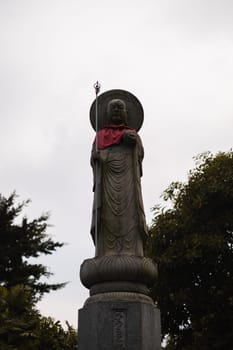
(97,87)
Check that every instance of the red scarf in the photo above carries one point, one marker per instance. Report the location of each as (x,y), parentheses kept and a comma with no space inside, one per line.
(111,135)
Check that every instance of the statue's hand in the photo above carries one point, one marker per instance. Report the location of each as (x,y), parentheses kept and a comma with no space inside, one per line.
(130,137)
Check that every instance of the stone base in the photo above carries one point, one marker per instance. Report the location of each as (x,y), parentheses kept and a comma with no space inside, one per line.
(119,325)
(115,268)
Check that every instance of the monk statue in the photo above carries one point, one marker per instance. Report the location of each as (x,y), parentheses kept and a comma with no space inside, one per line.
(119,313)
(118,225)
(117,168)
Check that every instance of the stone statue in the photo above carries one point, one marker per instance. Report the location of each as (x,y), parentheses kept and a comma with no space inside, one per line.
(119,263)
(119,313)
(117,186)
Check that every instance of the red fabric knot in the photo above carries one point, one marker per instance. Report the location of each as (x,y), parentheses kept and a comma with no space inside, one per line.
(111,135)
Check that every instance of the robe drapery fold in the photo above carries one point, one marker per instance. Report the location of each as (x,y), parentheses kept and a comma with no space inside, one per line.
(120,213)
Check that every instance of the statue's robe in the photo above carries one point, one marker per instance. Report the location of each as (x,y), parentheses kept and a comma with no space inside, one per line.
(117,190)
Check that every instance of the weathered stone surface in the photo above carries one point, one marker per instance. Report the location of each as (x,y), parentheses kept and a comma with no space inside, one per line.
(118,268)
(119,314)
(119,286)
(119,297)
(119,325)
(116,158)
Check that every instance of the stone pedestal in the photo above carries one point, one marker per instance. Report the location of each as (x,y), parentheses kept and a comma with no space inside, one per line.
(119,314)
(124,321)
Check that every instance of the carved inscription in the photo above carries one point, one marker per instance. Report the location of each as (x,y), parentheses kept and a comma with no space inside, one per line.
(119,323)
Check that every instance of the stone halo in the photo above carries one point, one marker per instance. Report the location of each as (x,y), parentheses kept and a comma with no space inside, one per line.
(134,108)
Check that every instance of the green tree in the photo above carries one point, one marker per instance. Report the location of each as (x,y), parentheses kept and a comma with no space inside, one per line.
(18,319)
(23,328)
(21,325)
(192,243)
(52,336)
(18,243)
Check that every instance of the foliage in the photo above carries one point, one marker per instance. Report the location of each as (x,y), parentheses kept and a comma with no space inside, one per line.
(193,245)
(23,328)
(21,325)
(18,243)
(52,336)
(18,319)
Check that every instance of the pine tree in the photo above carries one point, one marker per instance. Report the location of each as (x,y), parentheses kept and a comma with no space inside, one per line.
(21,325)
(18,243)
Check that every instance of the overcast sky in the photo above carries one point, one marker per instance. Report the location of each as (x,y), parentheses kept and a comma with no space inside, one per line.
(176,56)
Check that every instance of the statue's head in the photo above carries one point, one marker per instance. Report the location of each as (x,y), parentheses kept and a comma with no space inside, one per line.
(117,112)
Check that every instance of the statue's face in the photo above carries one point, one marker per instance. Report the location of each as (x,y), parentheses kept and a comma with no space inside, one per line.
(117,112)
